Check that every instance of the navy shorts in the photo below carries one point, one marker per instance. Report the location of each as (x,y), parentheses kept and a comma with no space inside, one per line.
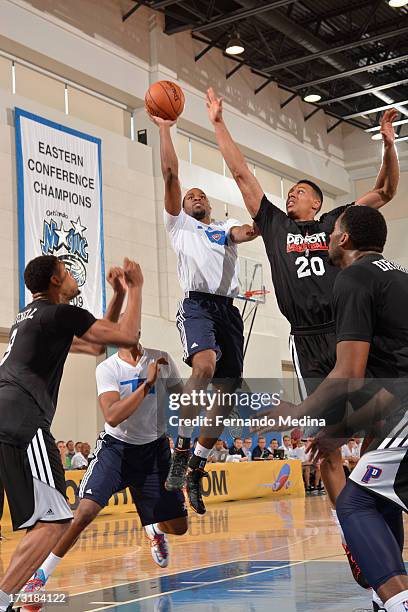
(143,468)
(206,321)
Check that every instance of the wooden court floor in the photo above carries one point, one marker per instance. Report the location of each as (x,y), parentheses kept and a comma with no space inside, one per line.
(242,555)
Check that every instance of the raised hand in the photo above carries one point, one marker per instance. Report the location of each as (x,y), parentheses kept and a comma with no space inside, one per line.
(115,278)
(387,129)
(154,369)
(132,273)
(214,106)
(159,121)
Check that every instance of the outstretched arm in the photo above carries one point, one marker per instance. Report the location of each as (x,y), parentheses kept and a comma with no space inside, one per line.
(115,279)
(250,188)
(387,181)
(169,166)
(244,233)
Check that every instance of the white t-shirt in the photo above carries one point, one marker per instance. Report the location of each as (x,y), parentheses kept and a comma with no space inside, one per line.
(297,453)
(78,461)
(354,453)
(148,423)
(207,259)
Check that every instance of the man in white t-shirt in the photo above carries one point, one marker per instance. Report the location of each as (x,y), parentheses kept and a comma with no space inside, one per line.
(133,451)
(210,326)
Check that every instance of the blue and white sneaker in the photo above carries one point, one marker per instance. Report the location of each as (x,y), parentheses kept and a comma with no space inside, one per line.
(159,546)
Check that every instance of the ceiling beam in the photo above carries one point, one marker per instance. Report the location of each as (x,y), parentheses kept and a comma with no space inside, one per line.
(338,49)
(377,128)
(132,10)
(348,73)
(378,109)
(241,14)
(364,92)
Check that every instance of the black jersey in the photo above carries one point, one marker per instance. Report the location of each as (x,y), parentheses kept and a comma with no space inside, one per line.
(32,367)
(298,252)
(370,300)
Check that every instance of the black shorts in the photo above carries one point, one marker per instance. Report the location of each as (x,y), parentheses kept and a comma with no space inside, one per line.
(34,482)
(206,321)
(143,468)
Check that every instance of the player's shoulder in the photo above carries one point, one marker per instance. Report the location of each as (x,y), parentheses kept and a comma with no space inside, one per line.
(109,364)
(152,354)
(332,215)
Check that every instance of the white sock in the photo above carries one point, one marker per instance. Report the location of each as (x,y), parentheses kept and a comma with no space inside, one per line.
(156,529)
(4,601)
(50,564)
(398,603)
(201,451)
(185,432)
(377,599)
(336,520)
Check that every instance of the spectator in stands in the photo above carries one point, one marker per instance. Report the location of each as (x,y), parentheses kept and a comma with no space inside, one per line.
(86,452)
(78,447)
(79,461)
(218,453)
(70,452)
(236,449)
(274,445)
(350,456)
(63,452)
(359,444)
(260,452)
(246,447)
(286,446)
(298,452)
(171,444)
(312,469)
(225,445)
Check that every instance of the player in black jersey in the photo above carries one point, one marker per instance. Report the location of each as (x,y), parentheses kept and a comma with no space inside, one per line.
(30,376)
(297,248)
(370,299)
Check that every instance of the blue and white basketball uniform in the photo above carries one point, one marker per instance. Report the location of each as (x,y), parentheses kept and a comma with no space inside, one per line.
(135,453)
(207,268)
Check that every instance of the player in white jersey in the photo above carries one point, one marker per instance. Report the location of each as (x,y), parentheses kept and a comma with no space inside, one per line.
(133,451)
(210,326)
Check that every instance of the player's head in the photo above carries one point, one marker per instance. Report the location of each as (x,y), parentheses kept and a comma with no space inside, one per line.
(357,230)
(46,274)
(304,200)
(196,204)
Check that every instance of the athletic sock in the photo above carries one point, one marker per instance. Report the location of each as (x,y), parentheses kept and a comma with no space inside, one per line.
(156,529)
(50,565)
(183,442)
(4,601)
(336,520)
(398,603)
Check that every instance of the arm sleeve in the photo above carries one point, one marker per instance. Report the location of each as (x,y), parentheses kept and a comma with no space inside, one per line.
(73,320)
(268,215)
(353,301)
(106,379)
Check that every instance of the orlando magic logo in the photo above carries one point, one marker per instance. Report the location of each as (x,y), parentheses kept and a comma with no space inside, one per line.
(72,241)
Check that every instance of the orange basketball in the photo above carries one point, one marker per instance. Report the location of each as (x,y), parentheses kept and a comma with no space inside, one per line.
(165,99)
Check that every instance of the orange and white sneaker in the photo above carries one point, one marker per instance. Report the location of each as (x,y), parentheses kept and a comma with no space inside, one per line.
(159,546)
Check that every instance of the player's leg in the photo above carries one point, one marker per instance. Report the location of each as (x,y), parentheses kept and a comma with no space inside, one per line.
(372,527)
(101,480)
(161,511)
(35,486)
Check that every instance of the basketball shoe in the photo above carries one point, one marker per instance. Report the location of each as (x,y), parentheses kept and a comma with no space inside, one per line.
(194,489)
(159,546)
(176,478)
(36,584)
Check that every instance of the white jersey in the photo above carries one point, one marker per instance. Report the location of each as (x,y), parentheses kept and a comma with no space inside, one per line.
(207,259)
(148,423)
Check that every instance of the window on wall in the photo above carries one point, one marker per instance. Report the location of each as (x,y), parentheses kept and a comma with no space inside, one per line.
(36,86)
(269,181)
(5,74)
(99,112)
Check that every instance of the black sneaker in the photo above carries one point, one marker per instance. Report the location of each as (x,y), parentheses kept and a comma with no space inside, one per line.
(377,608)
(194,489)
(176,478)
(355,569)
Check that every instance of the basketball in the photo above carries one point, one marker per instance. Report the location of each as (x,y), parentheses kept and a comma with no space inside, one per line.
(165,99)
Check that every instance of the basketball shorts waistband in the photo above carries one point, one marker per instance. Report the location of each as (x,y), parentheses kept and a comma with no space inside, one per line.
(214,297)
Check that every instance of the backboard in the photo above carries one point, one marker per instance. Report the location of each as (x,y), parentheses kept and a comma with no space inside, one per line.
(251,280)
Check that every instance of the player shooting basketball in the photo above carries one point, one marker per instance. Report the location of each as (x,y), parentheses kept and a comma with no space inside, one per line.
(210,326)
(297,248)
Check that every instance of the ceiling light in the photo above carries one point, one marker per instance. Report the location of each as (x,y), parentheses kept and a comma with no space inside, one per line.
(377,136)
(397,3)
(234,45)
(312,97)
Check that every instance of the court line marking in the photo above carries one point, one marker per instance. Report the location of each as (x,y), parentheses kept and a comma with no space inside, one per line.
(221,580)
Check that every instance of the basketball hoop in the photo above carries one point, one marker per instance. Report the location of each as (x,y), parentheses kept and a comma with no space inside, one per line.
(255,292)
